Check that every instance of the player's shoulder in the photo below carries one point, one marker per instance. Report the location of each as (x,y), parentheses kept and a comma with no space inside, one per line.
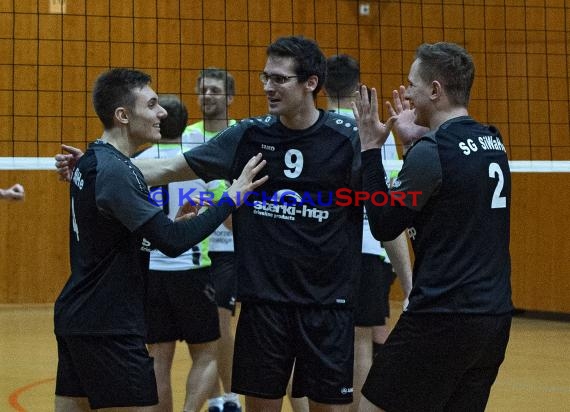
(104,155)
(341,123)
(264,121)
(108,161)
(461,125)
(241,127)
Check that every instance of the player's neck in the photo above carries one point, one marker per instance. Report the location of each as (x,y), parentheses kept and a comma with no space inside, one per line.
(441,117)
(301,120)
(119,140)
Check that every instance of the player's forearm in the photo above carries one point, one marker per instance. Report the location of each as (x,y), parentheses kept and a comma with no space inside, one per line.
(389,220)
(174,238)
(399,255)
(162,171)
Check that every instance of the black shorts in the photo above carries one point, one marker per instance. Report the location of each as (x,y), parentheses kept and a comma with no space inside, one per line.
(110,371)
(438,362)
(180,305)
(224,279)
(270,338)
(372,305)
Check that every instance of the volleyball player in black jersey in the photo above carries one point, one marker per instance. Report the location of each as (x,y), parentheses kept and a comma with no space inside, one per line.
(446,349)
(99,315)
(295,262)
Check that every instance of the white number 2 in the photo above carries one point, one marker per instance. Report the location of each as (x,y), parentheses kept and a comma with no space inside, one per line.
(498,201)
(294,161)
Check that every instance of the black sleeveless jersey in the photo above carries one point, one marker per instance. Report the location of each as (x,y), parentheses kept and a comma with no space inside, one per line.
(294,243)
(460,228)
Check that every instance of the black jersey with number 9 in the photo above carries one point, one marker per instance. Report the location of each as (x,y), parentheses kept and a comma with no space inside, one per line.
(294,243)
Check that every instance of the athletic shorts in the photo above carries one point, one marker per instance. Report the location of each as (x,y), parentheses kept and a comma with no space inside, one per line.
(270,338)
(224,279)
(180,305)
(373,297)
(438,362)
(110,371)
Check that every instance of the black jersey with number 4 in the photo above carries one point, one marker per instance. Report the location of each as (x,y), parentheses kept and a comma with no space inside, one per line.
(112,229)
(293,243)
(109,260)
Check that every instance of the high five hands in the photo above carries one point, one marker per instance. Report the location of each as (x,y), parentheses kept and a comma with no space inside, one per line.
(405,125)
(373,133)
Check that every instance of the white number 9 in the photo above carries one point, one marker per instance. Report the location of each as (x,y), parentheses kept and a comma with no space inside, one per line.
(294,161)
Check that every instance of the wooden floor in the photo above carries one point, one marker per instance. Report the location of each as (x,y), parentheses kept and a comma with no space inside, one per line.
(535,376)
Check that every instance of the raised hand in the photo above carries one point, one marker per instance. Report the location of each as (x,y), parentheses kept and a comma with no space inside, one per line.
(404,118)
(373,133)
(65,163)
(244,184)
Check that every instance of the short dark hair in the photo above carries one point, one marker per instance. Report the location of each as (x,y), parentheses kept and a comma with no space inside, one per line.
(220,74)
(449,64)
(172,126)
(309,59)
(114,88)
(343,76)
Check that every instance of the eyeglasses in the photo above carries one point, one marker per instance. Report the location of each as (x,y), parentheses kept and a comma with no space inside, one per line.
(275,78)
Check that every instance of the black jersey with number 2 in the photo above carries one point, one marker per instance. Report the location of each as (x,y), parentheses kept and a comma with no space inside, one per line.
(460,222)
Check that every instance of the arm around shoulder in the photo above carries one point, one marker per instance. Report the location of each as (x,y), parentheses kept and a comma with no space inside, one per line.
(167,170)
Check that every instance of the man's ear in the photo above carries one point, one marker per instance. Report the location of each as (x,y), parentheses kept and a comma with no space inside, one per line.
(436,90)
(229,100)
(312,82)
(121,114)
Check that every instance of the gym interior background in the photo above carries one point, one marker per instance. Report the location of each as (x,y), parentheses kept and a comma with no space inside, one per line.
(52,50)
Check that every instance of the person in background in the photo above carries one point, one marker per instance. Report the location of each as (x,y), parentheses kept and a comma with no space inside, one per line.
(445,351)
(216,89)
(14,192)
(377,274)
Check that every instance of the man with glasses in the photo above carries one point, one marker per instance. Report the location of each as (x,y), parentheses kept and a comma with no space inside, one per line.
(297,249)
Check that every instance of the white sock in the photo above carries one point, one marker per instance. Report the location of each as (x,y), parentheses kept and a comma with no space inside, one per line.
(231,397)
(216,402)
